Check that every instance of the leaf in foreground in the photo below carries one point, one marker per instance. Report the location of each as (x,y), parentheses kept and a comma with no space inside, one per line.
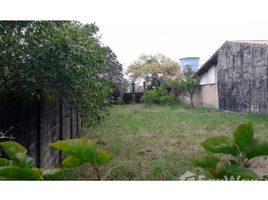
(220,144)
(243,135)
(17,173)
(17,153)
(84,149)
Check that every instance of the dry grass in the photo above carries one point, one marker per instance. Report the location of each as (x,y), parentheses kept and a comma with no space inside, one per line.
(158,143)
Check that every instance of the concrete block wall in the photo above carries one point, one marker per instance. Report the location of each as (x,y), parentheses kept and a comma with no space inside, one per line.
(243,77)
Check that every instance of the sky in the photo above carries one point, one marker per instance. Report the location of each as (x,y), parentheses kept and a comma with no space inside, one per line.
(175,28)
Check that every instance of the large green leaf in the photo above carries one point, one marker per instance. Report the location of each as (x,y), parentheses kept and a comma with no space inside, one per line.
(241,172)
(257,147)
(52,174)
(71,161)
(243,135)
(17,153)
(4,162)
(220,144)
(102,157)
(213,164)
(83,149)
(18,173)
(220,170)
(206,162)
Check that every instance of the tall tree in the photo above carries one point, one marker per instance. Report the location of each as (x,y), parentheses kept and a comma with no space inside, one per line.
(189,82)
(113,68)
(62,58)
(114,73)
(153,66)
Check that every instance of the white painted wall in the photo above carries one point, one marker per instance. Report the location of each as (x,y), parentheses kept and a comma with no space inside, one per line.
(210,77)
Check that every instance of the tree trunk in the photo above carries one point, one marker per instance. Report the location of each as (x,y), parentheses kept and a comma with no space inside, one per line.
(192,100)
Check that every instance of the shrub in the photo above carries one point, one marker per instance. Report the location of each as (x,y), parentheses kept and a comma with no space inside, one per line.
(167,100)
(157,96)
(20,166)
(240,149)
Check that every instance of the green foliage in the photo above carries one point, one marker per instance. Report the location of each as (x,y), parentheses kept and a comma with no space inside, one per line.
(17,153)
(82,151)
(175,86)
(243,135)
(157,96)
(71,161)
(185,84)
(20,166)
(102,157)
(189,82)
(118,101)
(167,100)
(4,162)
(207,162)
(58,59)
(149,66)
(52,174)
(220,144)
(19,173)
(242,148)
(241,172)
(257,147)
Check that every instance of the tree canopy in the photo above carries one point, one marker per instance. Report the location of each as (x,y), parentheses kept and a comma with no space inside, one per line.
(61,58)
(148,66)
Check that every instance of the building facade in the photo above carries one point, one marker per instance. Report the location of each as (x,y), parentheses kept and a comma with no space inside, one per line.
(235,77)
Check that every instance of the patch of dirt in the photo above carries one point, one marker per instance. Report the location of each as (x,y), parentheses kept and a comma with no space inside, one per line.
(260,166)
(128,138)
(149,153)
(130,175)
(101,142)
(145,152)
(147,134)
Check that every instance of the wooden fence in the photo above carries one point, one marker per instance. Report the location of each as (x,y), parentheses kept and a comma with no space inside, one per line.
(35,124)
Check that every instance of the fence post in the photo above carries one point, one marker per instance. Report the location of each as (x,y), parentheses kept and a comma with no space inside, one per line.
(71,109)
(39,131)
(77,116)
(143,85)
(133,93)
(61,126)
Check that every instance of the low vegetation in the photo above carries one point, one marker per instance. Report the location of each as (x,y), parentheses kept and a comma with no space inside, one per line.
(158,96)
(239,152)
(78,152)
(160,142)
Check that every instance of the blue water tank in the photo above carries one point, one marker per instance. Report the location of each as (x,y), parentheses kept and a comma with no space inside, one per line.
(192,61)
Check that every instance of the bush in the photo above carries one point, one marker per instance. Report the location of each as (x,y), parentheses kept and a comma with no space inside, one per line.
(167,100)
(20,166)
(157,96)
(118,101)
(240,149)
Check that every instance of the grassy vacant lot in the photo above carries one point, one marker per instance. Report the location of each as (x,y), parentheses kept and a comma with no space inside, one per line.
(158,143)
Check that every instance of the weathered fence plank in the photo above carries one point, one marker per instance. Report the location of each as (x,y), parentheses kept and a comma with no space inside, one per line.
(38,123)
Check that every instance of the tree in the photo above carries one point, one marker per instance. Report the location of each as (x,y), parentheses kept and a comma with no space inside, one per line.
(64,59)
(175,87)
(114,72)
(153,66)
(113,68)
(189,83)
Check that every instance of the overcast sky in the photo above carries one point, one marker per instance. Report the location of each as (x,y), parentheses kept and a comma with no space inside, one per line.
(176,28)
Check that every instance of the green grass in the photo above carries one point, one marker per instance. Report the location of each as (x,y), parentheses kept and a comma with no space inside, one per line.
(159,142)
